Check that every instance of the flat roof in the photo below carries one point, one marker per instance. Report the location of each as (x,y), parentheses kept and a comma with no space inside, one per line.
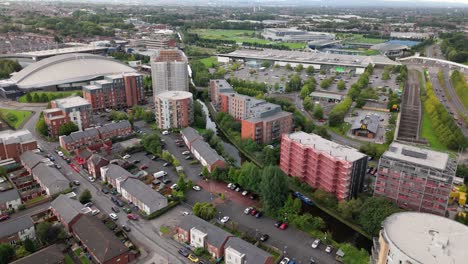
(427,238)
(327,95)
(69,102)
(175,95)
(417,155)
(52,52)
(326,146)
(311,57)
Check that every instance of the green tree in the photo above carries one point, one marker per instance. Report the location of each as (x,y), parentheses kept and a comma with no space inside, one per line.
(205,172)
(288,66)
(325,83)
(7,253)
(273,188)
(48,233)
(266,64)
(318,112)
(85,196)
(44,98)
(181,184)
(67,128)
(308,104)
(199,251)
(152,143)
(349,209)
(310,70)
(341,85)
(299,68)
(294,84)
(307,222)
(385,75)
(41,126)
(204,210)
(29,98)
(372,213)
(36,98)
(305,91)
(29,245)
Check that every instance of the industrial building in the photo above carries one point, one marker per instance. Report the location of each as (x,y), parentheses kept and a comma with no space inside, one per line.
(294,35)
(337,62)
(115,91)
(410,237)
(169,71)
(415,178)
(174,109)
(323,164)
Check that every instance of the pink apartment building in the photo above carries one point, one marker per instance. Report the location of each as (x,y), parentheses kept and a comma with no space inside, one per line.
(323,164)
(416,179)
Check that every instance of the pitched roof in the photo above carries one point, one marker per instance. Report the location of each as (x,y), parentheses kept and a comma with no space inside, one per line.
(371,122)
(31,159)
(145,194)
(9,195)
(252,253)
(115,172)
(190,134)
(50,255)
(114,126)
(97,159)
(66,207)
(215,235)
(78,135)
(209,154)
(13,226)
(100,241)
(51,177)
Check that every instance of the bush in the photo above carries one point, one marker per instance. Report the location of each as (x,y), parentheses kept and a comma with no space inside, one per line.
(161,211)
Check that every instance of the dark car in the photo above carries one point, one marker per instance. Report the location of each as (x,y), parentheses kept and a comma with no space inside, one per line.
(166,181)
(278,223)
(126,228)
(113,199)
(136,161)
(115,209)
(119,203)
(253,196)
(166,164)
(258,214)
(183,252)
(105,191)
(77,183)
(264,237)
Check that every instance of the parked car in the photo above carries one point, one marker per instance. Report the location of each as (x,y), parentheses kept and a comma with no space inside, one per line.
(105,190)
(132,216)
(113,199)
(88,204)
(4,217)
(247,210)
(174,186)
(77,183)
(127,156)
(188,157)
(238,189)
(166,181)
(183,252)
(244,193)
(60,153)
(316,243)
(278,223)
(115,209)
(113,216)
(253,212)
(126,228)
(312,260)
(166,164)
(284,261)
(119,203)
(186,152)
(154,157)
(91,179)
(264,237)
(193,258)
(136,161)
(143,167)
(328,249)
(95,212)
(225,219)
(196,188)
(258,214)
(165,132)
(57,166)
(283,226)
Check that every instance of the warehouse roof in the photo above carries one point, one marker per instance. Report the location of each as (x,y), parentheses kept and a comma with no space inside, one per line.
(67,68)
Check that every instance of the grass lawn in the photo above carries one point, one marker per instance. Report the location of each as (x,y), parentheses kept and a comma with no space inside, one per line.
(84,260)
(50,95)
(68,259)
(14,118)
(78,251)
(427,132)
(360,39)
(34,200)
(241,36)
(164,230)
(210,62)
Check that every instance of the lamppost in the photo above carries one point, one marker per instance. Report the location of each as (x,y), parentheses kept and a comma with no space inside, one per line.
(284,250)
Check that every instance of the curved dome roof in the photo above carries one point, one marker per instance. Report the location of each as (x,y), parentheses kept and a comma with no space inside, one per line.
(67,68)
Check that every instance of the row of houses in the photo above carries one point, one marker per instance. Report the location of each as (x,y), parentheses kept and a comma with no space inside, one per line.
(202,151)
(218,243)
(132,189)
(95,136)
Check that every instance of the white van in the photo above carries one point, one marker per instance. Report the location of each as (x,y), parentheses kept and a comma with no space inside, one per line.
(159,174)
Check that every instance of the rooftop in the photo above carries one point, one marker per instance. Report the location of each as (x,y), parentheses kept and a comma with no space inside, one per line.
(66,207)
(169,55)
(252,253)
(208,153)
(9,195)
(145,194)
(175,95)
(326,146)
(327,95)
(70,102)
(369,122)
(50,255)
(190,134)
(416,155)
(16,225)
(31,159)
(16,136)
(270,117)
(102,242)
(52,52)
(427,238)
(215,235)
(51,178)
(311,57)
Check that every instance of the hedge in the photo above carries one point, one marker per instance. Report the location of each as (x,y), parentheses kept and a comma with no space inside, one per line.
(163,210)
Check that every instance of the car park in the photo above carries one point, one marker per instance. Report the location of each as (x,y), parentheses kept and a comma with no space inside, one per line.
(284,261)
(264,237)
(316,243)
(113,216)
(193,258)
(132,216)
(183,252)
(225,219)
(196,188)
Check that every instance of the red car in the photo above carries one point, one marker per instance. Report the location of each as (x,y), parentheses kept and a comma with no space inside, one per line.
(253,212)
(4,217)
(142,167)
(283,226)
(132,216)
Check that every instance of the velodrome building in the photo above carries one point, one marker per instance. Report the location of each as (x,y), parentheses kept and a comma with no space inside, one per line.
(62,72)
(318,60)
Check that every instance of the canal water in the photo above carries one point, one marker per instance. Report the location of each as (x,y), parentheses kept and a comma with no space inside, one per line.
(340,232)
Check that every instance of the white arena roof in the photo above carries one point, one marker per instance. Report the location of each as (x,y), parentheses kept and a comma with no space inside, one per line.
(311,57)
(67,68)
